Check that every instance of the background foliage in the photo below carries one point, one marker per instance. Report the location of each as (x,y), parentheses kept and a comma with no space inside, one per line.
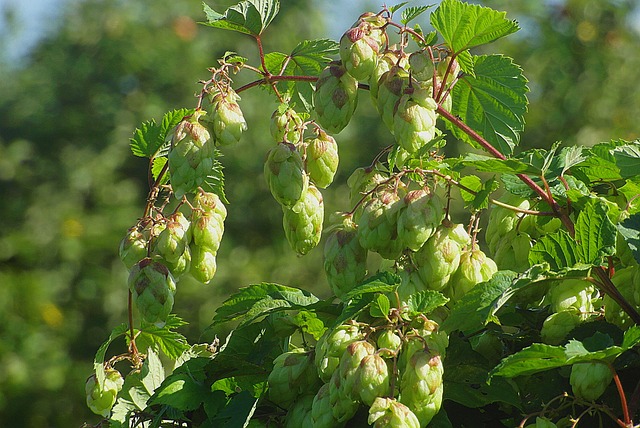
(69,188)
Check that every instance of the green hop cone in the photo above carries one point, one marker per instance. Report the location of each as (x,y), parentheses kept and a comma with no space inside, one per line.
(425,336)
(627,281)
(421,65)
(503,220)
(207,225)
(411,283)
(362,181)
(391,86)
(286,125)
(171,242)
(377,225)
(336,97)
(557,326)
(389,413)
(284,172)
(421,385)
(299,415)
(359,48)
(439,257)
(322,411)
(372,379)
(303,222)
(387,60)
(475,267)
(191,156)
(345,260)
(388,339)
(573,294)
(292,375)
(343,406)
(414,120)
(322,159)
(590,380)
(228,120)
(349,364)
(153,288)
(203,263)
(101,400)
(332,345)
(420,215)
(512,251)
(133,247)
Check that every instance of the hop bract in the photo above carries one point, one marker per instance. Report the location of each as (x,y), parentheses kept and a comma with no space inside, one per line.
(575,294)
(286,125)
(101,400)
(285,174)
(389,413)
(300,413)
(303,222)
(512,251)
(192,154)
(372,379)
(228,120)
(322,159)
(336,97)
(556,326)
(388,60)
(153,288)
(627,281)
(293,373)
(171,242)
(421,65)
(421,214)
(590,380)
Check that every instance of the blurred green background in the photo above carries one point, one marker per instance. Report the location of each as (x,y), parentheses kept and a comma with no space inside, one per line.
(69,187)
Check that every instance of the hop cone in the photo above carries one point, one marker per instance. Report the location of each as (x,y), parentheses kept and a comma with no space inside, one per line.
(512,251)
(322,159)
(293,373)
(590,380)
(414,121)
(332,345)
(372,379)
(345,260)
(203,263)
(558,325)
(503,220)
(322,411)
(285,174)
(207,226)
(349,364)
(385,62)
(475,267)
(192,155)
(391,86)
(421,65)
(336,97)
(343,406)
(571,294)
(389,413)
(421,385)
(286,125)
(363,180)
(418,219)
(228,120)
(389,340)
(101,400)
(359,47)
(439,257)
(411,283)
(299,415)
(171,242)
(426,335)
(153,288)
(133,247)
(377,225)
(303,222)
(627,281)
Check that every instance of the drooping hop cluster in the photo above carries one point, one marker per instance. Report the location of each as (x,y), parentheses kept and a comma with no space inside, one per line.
(322,159)
(192,154)
(227,121)
(101,400)
(207,225)
(285,175)
(345,260)
(355,369)
(153,288)
(171,245)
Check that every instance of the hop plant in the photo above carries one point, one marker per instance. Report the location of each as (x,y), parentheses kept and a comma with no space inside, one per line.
(388,339)
(203,264)
(173,238)
(227,119)
(292,375)
(101,400)
(360,45)
(207,221)
(322,159)
(414,119)
(303,222)
(343,406)
(332,345)
(589,380)
(389,413)
(152,287)
(421,385)
(345,260)
(284,172)
(192,154)
(475,267)
(418,218)
(503,220)
(349,364)
(133,247)
(377,225)
(336,97)
(512,251)
(286,125)
(439,257)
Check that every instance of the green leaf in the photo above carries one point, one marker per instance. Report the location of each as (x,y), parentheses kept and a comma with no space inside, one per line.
(382,282)
(476,308)
(248,17)
(631,337)
(425,301)
(628,159)
(557,249)
(493,102)
(186,388)
(380,306)
(595,233)
(237,412)
(151,138)
(464,25)
(258,299)
(152,372)
(397,7)
(309,323)
(533,359)
(249,349)
(215,180)
(482,189)
(157,167)
(630,231)
(170,342)
(484,163)
(411,13)
(571,156)
(98,361)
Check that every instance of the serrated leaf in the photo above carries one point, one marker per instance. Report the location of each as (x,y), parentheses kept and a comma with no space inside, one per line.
(425,302)
(237,413)
(627,159)
(215,180)
(157,167)
(380,306)
(465,61)
(571,156)
(185,389)
(465,25)
(98,361)
(257,299)
(482,189)
(493,102)
(382,282)
(164,339)
(309,323)
(484,163)
(477,307)
(152,372)
(397,7)
(631,337)
(558,250)
(630,231)
(533,359)
(248,17)
(151,137)
(595,233)
(411,13)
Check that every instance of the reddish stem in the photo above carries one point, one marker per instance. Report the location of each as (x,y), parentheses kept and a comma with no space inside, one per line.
(623,397)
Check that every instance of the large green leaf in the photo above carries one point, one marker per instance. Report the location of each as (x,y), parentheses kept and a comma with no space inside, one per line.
(630,231)
(170,342)
(628,159)
(482,190)
(492,102)
(557,249)
(533,359)
(464,25)
(484,163)
(248,17)
(595,233)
